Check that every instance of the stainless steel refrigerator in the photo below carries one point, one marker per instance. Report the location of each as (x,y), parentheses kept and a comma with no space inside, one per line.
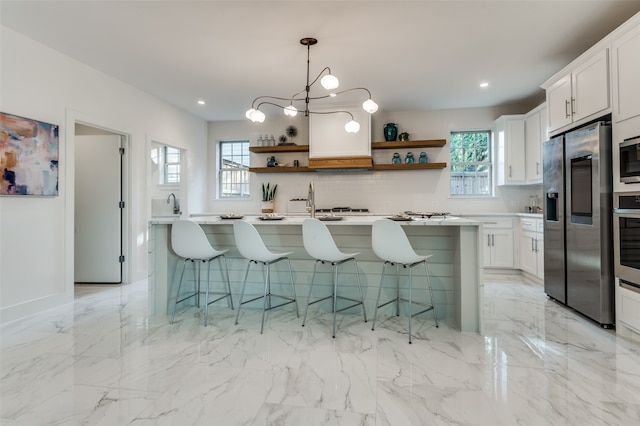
(578,232)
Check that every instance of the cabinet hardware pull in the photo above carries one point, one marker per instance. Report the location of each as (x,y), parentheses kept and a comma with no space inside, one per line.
(493,240)
(488,240)
(509,171)
(532,248)
(537,167)
(536,245)
(573,106)
(566,109)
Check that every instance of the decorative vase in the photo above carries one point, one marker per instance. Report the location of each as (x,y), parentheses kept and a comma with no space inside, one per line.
(423,158)
(396,158)
(409,158)
(390,132)
(404,136)
(267,206)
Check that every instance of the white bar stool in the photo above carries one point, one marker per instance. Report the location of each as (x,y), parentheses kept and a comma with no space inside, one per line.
(189,241)
(390,243)
(320,245)
(251,246)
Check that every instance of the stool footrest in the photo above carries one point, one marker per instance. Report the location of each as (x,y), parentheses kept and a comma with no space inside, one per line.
(426,305)
(288,300)
(188,297)
(223,295)
(349,307)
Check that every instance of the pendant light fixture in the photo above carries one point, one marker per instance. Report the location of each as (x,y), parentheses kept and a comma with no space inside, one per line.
(328,81)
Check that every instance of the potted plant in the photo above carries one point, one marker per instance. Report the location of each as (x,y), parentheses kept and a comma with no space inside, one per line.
(268,195)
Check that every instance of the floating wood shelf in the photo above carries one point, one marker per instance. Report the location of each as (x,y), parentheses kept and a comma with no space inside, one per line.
(435,143)
(375,167)
(409,166)
(339,163)
(279,148)
(279,169)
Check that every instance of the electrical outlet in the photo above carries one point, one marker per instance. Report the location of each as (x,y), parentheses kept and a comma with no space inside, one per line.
(515,203)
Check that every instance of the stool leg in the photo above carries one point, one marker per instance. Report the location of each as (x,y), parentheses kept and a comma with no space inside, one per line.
(410,299)
(244,285)
(375,313)
(398,290)
(222,258)
(313,276)
(293,288)
(364,312)
(335,295)
(267,283)
(175,305)
(206,293)
(433,302)
(196,273)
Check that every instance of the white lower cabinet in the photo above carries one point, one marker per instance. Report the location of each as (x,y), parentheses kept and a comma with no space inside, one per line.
(532,246)
(627,306)
(497,242)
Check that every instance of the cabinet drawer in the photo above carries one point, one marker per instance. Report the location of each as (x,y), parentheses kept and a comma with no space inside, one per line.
(496,222)
(628,309)
(527,224)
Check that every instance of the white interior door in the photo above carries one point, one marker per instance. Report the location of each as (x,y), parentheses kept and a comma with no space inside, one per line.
(98,220)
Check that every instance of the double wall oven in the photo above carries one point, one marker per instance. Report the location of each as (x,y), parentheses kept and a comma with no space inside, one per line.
(626,219)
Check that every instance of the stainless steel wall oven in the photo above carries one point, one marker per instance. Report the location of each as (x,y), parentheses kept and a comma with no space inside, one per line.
(626,219)
(630,160)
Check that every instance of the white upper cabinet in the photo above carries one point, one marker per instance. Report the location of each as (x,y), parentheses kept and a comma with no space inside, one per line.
(535,127)
(626,75)
(581,94)
(510,145)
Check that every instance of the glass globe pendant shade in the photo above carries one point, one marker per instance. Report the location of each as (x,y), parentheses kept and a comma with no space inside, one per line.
(352,127)
(257,116)
(330,82)
(370,106)
(249,112)
(290,111)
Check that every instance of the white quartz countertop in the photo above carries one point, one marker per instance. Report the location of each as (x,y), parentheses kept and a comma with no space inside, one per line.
(346,220)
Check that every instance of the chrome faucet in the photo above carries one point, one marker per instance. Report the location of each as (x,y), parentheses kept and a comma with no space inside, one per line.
(311,200)
(176,206)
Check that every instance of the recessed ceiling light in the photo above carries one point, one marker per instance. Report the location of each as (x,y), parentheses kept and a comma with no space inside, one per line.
(484,84)
(201,102)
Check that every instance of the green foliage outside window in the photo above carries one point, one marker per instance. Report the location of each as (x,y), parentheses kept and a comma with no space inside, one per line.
(470,163)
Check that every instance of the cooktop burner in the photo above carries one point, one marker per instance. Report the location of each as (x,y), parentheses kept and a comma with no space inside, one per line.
(427,215)
(342,210)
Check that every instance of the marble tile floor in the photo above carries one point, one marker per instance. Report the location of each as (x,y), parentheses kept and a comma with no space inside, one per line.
(104,361)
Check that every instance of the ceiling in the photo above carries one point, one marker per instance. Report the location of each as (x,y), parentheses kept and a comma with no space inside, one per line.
(412,55)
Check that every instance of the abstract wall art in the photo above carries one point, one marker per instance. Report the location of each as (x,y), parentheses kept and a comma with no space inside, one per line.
(28,156)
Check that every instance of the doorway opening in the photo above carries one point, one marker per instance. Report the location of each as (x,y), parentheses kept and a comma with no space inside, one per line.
(99,206)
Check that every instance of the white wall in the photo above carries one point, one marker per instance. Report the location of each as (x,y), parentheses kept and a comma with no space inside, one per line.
(382,192)
(36,233)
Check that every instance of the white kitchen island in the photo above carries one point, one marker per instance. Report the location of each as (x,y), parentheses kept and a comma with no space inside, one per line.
(456,266)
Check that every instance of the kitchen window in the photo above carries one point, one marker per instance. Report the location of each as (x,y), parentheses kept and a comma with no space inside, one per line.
(233,172)
(169,160)
(471,167)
